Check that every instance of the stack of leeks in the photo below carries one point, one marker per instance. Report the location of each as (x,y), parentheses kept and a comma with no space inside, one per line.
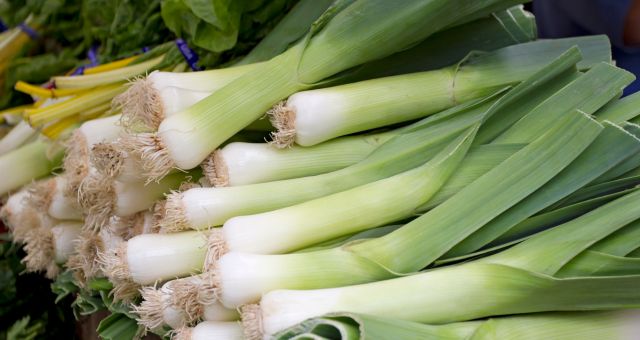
(441,167)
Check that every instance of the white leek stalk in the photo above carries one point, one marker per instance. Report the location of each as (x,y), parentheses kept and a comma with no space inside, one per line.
(250,163)
(148,258)
(18,135)
(206,330)
(311,117)
(64,235)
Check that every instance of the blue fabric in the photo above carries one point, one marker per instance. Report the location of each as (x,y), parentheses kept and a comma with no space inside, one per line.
(565,18)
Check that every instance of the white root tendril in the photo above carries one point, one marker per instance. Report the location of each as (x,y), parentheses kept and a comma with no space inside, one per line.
(97,197)
(107,158)
(41,193)
(215,169)
(283,118)
(173,217)
(113,263)
(142,109)
(252,321)
(125,290)
(39,246)
(154,156)
(216,247)
(191,295)
(84,261)
(76,163)
(150,310)
(183,333)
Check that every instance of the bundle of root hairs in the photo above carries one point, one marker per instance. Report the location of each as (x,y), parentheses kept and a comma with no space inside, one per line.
(251,316)
(96,197)
(20,216)
(76,162)
(215,169)
(192,294)
(84,262)
(283,118)
(170,213)
(142,109)
(112,263)
(39,246)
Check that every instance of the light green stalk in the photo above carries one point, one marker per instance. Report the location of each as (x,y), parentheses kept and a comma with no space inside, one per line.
(291,28)
(612,146)
(629,164)
(249,163)
(26,163)
(588,93)
(500,29)
(614,325)
(364,207)
(621,110)
(319,115)
(551,218)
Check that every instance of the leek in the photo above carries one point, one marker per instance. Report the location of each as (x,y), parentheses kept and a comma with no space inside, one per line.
(150,100)
(26,163)
(76,161)
(206,125)
(18,136)
(167,306)
(147,258)
(171,93)
(521,280)
(101,197)
(49,196)
(319,115)
(84,262)
(559,325)
(242,278)
(47,248)
(22,217)
(250,163)
(211,330)
(621,110)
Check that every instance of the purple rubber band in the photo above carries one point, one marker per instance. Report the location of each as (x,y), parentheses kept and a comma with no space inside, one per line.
(29,31)
(189,55)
